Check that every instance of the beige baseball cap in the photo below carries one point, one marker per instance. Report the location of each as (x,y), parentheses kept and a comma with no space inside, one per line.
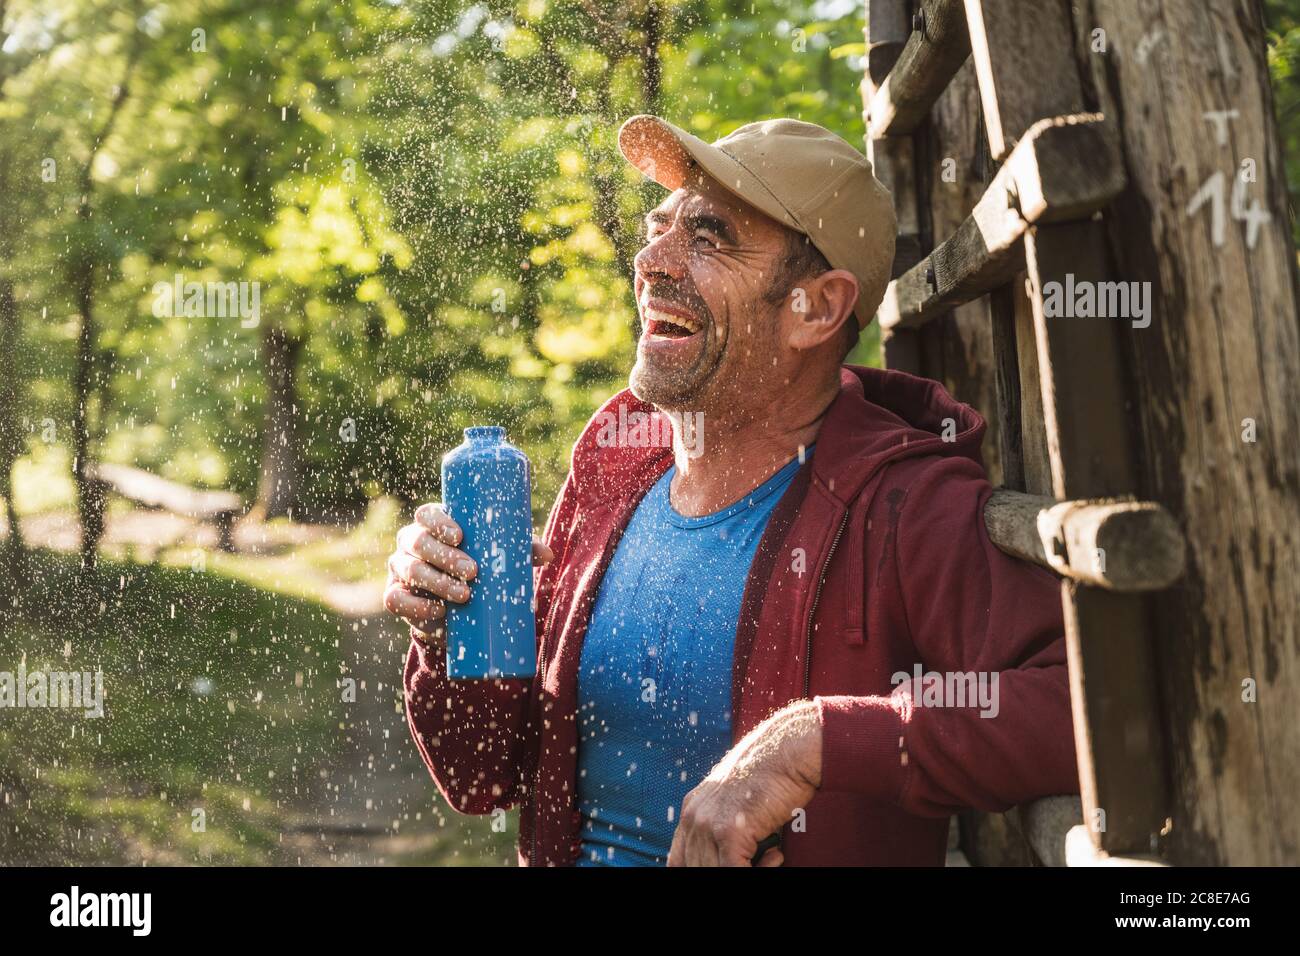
(800,174)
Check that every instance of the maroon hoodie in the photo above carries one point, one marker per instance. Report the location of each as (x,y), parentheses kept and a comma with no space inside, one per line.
(874,562)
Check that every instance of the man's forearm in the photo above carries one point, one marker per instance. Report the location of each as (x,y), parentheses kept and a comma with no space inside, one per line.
(796,732)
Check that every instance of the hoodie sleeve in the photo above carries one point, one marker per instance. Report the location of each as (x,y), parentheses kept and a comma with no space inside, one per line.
(477,737)
(970,610)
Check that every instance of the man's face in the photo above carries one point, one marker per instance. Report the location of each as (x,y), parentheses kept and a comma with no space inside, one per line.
(708,335)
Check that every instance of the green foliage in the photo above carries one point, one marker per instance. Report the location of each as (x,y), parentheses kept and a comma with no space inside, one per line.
(428,194)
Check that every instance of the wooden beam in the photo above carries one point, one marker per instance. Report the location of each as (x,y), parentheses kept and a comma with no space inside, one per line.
(1064,168)
(1033,427)
(933,54)
(1006,368)
(1128,546)
(1112,673)
(894,164)
(1024,58)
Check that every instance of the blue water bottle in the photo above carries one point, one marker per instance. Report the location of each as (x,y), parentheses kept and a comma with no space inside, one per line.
(487,491)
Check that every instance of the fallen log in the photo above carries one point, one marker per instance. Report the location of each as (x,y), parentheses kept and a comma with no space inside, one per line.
(150,491)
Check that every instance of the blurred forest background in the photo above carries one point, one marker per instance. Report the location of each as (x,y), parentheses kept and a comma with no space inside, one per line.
(430,200)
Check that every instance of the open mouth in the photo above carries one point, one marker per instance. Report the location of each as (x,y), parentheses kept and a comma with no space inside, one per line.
(669,325)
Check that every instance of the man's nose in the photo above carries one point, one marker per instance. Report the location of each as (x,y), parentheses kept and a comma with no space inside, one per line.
(662,257)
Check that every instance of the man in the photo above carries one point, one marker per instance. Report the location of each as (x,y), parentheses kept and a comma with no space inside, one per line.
(748,646)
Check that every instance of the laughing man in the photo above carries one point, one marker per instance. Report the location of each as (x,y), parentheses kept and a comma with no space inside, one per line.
(739,641)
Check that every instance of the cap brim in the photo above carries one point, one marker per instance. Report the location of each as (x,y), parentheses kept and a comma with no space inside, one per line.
(655,147)
(667,155)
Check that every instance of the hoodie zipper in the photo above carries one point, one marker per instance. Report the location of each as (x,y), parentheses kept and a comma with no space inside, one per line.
(821,579)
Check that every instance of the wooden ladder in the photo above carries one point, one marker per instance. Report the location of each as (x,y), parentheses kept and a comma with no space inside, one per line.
(1038,223)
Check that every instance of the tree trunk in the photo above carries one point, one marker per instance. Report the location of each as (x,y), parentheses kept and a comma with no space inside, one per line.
(12,554)
(651,68)
(81,276)
(11,435)
(279,489)
(90,496)
(1217,386)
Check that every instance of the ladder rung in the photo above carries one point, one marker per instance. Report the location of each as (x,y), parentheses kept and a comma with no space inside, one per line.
(1062,169)
(929,60)
(1119,545)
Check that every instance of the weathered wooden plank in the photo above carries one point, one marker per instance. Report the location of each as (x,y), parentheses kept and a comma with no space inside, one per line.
(1128,546)
(1023,54)
(1064,168)
(1116,725)
(1006,366)
(962,268)
(894,164)
(1216,405)
(1080,370)
(1033,428)
(932,55)
(901,350)
(1121,769)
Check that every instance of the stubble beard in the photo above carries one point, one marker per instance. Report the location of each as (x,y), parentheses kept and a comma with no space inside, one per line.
(675,388)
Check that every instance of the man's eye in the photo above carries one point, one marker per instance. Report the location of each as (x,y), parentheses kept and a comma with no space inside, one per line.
(706,239)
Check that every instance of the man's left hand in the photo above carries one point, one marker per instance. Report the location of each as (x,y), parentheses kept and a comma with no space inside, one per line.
(752,792)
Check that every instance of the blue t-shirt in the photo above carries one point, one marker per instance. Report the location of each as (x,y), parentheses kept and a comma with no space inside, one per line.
(654,686)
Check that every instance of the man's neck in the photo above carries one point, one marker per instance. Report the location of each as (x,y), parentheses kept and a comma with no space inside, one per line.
(738,454)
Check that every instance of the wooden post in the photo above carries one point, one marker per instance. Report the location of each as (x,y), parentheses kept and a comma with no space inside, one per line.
(1216,404)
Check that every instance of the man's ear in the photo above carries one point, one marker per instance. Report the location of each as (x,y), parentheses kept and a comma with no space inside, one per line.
(820,306)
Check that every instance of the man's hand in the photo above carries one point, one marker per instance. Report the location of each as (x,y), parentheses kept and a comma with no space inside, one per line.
(427,570)
(752,792)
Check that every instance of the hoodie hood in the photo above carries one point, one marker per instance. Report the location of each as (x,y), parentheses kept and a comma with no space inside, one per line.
(882,416)
(879,416)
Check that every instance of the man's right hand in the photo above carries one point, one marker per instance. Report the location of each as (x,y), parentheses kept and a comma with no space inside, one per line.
(427,570)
